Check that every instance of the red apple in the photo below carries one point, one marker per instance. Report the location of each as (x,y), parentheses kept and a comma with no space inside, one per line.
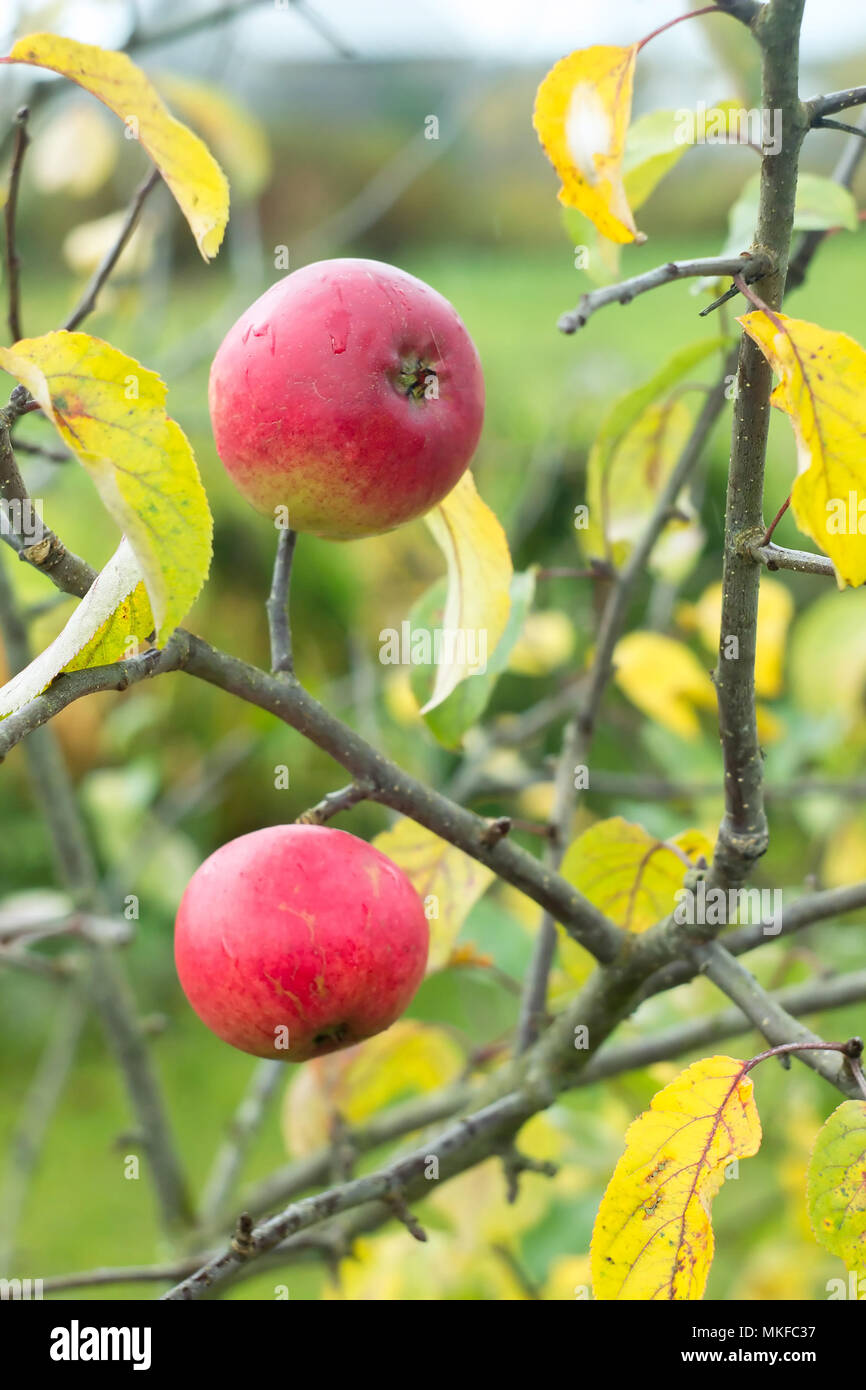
(350,393)
(298,940)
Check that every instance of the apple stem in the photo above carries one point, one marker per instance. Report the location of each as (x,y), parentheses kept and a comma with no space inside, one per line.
(277,606)
(693,14)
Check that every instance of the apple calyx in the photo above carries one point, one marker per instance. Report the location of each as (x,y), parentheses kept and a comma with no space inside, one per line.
(414,379)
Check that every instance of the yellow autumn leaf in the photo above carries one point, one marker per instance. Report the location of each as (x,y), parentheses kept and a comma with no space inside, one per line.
(775,611)
(197,182)
(545,643)
(582,112)
(836,1185)
(110,411)
(628,873)
(229,128)
(665,680)
(477,604)
(823,391)
(653,1238)
(409,1058)
(448,881)
(112,620)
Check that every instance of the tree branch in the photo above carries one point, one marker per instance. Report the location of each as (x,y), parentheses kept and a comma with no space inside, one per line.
(456,1148)
(844,173)
(743,834)
(393,787)
(481,1134)
(751,265)
(769,1017)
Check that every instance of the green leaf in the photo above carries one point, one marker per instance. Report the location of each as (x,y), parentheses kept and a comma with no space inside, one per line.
(821,203)
(620,421)
(836,1184)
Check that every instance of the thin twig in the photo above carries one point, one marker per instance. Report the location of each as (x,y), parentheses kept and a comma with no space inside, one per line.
(13,260)
(828,105)
(844,173)
(801,561)
(333,803)
(87,302)
(825,124)
(753,265)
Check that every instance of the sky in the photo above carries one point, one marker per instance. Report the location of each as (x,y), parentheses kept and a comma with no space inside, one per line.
(513,30)
(531,29)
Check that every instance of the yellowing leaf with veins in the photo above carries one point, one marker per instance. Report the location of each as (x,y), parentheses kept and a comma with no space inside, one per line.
(190,170)
(477,604)
(775,611)
(823,390)
(448,881)
(111,620)
(110,411)
(665,680)
(628,873)
(836,1185)
(409,1058)
(582,112)
(653,1238)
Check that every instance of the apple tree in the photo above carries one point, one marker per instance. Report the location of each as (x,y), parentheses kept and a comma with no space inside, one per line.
(344,402)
